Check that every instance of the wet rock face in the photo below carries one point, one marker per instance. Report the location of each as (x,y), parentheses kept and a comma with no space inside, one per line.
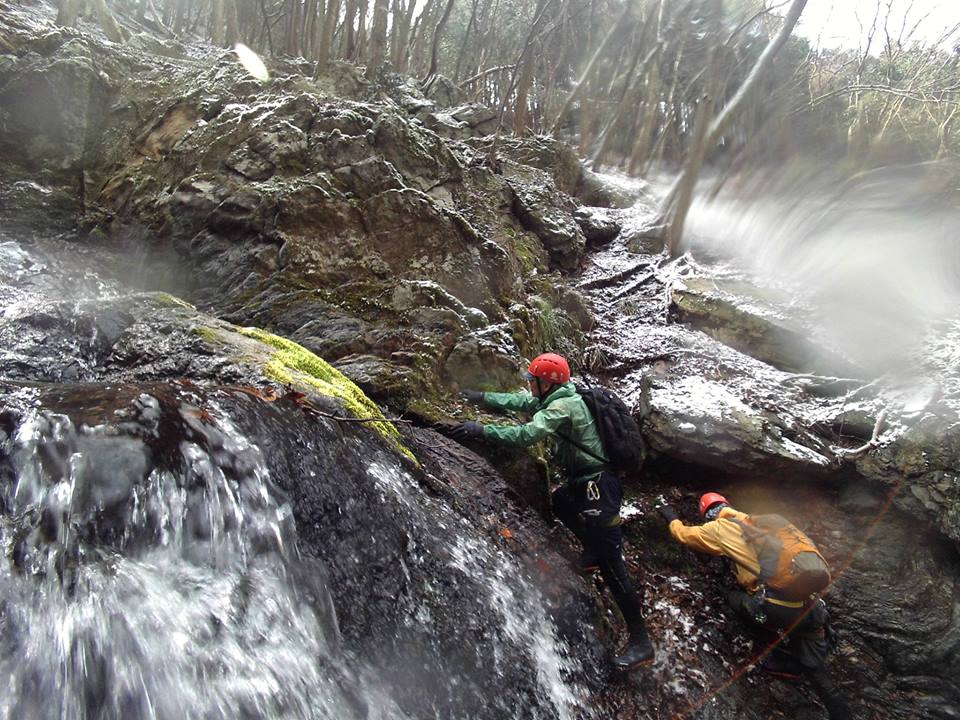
(598,227)
(751,320)
(924,461)
(710,405)
(905,618)
(560,235)
(383,610)
(51,102)
(269,193)
(882,506)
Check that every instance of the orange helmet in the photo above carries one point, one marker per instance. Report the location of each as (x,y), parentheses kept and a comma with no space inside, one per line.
(710,499)
(550,367)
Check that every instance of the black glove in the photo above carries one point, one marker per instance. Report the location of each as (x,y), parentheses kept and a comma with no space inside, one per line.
(668,513)
(474,396)
(444,427)
(470,430)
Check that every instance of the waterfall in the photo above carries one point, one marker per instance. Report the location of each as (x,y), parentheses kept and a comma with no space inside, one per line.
(873,255)
(139,591)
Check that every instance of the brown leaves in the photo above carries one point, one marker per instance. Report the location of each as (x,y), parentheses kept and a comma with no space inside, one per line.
(201,414)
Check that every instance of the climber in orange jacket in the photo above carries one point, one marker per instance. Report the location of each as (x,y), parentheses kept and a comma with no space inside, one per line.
(779,571)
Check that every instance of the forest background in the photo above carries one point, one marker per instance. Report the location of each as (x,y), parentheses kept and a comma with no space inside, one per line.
(643,85)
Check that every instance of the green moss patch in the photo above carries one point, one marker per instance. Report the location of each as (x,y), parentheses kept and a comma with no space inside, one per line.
(208,334)
(293,363)
(167,300)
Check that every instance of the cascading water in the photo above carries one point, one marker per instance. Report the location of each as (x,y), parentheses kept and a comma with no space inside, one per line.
(145,592)
(875,255)
(516,604)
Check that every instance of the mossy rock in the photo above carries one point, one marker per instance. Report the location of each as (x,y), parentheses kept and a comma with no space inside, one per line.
(293,364)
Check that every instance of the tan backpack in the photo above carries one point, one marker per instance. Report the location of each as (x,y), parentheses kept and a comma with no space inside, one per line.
(790,563)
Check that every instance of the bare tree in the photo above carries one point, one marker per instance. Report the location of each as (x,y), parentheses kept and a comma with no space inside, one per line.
(677,202)
(70,10)
(615,29)
(435,45)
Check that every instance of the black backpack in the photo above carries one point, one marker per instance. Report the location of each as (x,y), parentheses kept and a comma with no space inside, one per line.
(619,432)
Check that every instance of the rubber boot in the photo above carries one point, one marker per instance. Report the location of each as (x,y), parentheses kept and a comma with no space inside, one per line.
(781,665)
(639,652)
(827,691)
(588,562)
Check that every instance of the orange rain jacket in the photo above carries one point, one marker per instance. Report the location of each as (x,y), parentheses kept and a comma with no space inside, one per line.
(722,537)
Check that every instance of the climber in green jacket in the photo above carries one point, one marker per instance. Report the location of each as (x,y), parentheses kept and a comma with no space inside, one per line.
(588,502)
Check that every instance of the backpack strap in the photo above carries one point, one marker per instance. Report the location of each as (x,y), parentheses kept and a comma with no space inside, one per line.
(582,447)
(752,535)
(783,603)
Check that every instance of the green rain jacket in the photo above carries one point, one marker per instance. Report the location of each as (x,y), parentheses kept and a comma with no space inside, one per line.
(562,413)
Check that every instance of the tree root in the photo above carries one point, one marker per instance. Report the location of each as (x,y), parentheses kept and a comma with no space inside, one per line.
(873,442)
(826,386)
(608,280)
(635,285)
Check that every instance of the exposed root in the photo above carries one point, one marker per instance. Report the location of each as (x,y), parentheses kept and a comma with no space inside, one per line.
(850,453)
(632,287)
(616,278)
(825,386)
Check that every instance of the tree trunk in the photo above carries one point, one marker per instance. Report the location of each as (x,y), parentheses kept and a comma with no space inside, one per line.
(107,21)
(326,37)
(681,194)
(68,12)
(722,120)
(580,84)
(293,29)
(309,28)
(216,23)
(378,37)
(466,42)
(417,37)
(403,18)
(360,51)
(348,41)
(233,25)
(631,78)
(648,119)
(539,15)
(520,114)
(435,44)
(180,19)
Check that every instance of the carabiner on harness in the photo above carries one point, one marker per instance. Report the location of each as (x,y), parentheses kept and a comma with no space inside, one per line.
(593,491)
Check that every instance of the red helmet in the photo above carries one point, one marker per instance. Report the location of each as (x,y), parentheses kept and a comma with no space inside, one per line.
(710,499)
(550,367)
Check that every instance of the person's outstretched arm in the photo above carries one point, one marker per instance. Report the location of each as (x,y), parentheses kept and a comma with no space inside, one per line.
(517,401)
(545,422)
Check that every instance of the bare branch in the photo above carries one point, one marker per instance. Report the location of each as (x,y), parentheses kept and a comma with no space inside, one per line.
(485,73)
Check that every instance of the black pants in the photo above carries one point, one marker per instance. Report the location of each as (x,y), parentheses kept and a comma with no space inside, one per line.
(804,649)
(587,510)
